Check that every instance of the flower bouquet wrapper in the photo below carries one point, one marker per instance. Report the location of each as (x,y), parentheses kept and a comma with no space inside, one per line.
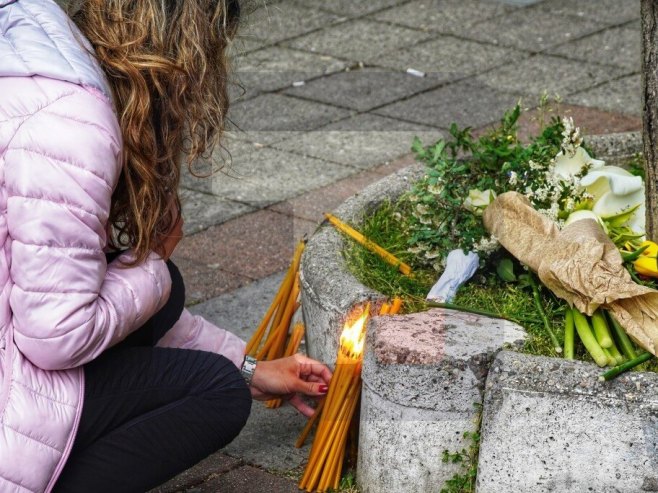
(579,264)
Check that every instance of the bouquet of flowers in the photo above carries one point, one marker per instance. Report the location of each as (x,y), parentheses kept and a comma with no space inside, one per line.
(560,179)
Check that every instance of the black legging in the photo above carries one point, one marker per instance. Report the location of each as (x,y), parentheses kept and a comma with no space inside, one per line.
(150,413)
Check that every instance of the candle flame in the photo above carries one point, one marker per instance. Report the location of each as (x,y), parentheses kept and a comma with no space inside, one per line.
(353,336)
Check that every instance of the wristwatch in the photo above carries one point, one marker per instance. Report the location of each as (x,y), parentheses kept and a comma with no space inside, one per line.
(248,368)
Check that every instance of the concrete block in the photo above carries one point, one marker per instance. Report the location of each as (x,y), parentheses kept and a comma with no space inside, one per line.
(364,89)
(449,58)
(358,40)
(549,425)
(364,141)
(328,289)
(531,30)
(622,95)
(266,176)
(422,375)
(542,73)
(446,16)
(620,46)
(467,103)
(616,149)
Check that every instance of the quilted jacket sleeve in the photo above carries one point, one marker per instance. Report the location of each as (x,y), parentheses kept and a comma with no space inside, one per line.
(67,304)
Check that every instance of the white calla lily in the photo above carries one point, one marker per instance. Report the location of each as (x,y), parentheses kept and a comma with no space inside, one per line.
(478,200)
(615,192)
(569,165)
(584,214)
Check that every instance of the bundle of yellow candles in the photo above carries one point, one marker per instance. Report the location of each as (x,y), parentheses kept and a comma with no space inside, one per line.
(392,308)
(336,411)
(369,244)
(281,340)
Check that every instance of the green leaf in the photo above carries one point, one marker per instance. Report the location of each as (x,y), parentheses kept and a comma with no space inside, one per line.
(505,270)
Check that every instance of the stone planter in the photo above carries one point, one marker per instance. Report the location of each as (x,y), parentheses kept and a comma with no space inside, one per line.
(423,373)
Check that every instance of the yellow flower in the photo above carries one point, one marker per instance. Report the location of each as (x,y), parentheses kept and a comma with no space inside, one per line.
(647,263)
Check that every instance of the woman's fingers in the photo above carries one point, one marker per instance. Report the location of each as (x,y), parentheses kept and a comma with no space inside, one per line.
(311,368)
(298,403)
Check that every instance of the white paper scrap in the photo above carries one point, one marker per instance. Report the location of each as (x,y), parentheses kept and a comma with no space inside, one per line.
(460,267)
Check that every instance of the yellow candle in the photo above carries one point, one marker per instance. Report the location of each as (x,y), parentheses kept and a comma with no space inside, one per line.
(370,245)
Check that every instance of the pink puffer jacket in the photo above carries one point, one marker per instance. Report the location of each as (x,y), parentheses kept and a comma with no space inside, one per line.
(61,305)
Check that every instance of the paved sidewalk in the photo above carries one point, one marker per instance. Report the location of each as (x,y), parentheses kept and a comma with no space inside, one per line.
(328,108)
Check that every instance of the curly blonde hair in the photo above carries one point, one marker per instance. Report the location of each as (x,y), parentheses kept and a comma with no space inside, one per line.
(167,65)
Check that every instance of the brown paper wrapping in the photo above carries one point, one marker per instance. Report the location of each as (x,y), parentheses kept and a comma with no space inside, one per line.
(579,263)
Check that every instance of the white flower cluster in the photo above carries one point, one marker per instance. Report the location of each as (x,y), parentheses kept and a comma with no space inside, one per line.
(571,137)
(486,246)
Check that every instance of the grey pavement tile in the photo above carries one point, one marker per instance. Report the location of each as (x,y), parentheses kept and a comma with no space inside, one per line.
(467,103)
(268,439)
(358,40)
(208,468)
(280,113)
(364,141)
(278,67)
(202,210)
(247,479)
(623,95)
(620,46)
(532,30)
(268,176)
(350,7)
(448,58)
(608,11)
(241,310)
(548,73)
(364,89)
(283,20)
(447,16)
(200,176)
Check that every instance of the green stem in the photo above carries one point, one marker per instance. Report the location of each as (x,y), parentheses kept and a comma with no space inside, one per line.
(616,355)
(589,341)
(458,308)
(569,333)
(601,330)
(631,271)
(630,256)
(617,370)
(627,346)
(540,309)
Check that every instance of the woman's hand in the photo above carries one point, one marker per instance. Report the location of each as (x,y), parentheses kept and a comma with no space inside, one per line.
(168,242)
(289,377)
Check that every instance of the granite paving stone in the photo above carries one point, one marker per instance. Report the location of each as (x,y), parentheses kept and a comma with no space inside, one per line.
(467,103)
(623,95)
(280,113)
(358,39)
(364,89)
(241,310)
(620,46)
(208,469)
(278,67)
(203,281)
(253,246)
(525,29)
(267,176)
(268,439)
(541,73)
(448,58)
(446,16)
(283,20)
(202,210)
(248,479)
(350,7)
(312,205)
(609,11)
(363,141)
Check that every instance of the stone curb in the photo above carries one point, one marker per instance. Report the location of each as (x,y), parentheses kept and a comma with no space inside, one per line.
(328,289)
